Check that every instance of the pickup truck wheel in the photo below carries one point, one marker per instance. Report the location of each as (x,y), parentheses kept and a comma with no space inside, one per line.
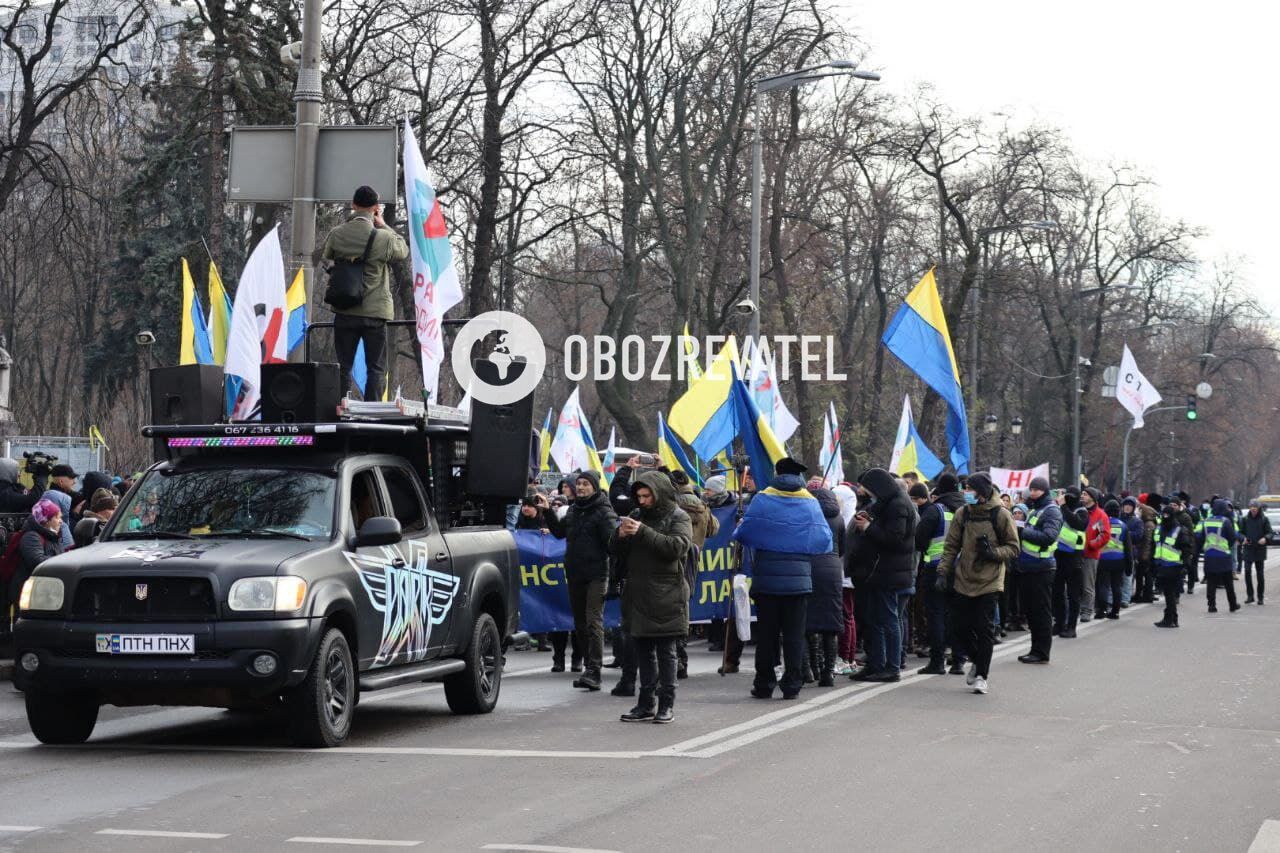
(475,689)
(61,718)
(321,707)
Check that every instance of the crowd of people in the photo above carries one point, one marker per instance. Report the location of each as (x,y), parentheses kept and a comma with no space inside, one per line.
(851,580)
(53,515)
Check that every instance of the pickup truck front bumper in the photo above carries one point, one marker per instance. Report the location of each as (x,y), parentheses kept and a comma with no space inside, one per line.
(220,672)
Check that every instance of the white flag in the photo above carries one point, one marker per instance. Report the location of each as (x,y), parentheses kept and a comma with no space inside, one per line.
(1133,390)
(830,457)
(903,436)
(768,396)
(569,447)
(259,323)
(435,280)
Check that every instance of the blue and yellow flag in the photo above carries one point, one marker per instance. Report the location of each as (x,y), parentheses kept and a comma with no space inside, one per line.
(219,316)
(295,301)
(918,336)
(758,440)
(544,445)
(704,415)
(194,346)
(672,455)
(910,453)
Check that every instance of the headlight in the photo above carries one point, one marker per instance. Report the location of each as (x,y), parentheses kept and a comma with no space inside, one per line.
(40,593)
(282,595)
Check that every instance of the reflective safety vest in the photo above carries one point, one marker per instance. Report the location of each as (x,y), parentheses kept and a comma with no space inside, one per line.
(1114,549)
(1214,541)
(1070,540)
(933,554)
(1167,554)
(1032,550)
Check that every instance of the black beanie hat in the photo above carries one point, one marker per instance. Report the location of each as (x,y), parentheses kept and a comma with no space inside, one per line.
(981,485)
(946,483)
(1039,484)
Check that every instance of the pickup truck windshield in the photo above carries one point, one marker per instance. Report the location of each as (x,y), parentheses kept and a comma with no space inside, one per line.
(230,502)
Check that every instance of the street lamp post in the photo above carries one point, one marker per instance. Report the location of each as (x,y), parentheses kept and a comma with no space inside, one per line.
(975,304)
(788,80)
(308,95)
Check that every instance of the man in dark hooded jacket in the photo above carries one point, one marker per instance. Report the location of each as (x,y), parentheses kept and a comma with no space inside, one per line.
(13,497)
(931,536)
(586,528)
(781,529)
(650,546)
(824,622)
(881,559)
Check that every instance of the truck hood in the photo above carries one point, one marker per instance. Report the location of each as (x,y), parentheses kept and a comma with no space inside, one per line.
(230,559)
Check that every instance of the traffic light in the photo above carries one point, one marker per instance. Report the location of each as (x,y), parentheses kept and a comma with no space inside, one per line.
(1191,407)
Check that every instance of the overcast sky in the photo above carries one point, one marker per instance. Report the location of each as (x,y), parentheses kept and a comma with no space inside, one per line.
(1185,92)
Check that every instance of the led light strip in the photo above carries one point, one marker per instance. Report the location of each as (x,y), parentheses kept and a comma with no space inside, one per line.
(246,441)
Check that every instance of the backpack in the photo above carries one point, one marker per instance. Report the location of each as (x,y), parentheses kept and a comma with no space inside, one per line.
(346,278)
(12,557)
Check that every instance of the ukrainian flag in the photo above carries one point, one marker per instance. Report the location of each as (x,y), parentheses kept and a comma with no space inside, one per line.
(593,453)
(194,346)
(918,336)
(672,455)
(544,445)
(704,415)
(295,300)
(790,522)
(219,316)
(758,440)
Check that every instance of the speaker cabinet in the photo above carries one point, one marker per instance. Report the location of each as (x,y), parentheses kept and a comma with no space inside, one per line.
(187,394)
(300,393)
(498,455)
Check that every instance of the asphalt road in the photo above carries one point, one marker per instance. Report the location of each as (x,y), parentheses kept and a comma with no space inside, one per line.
(1132,739)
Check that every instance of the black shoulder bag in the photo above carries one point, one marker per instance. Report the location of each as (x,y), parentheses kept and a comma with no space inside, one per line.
(346,278)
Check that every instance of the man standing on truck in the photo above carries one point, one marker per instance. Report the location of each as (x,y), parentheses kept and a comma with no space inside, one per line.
(586,528)
(365,237)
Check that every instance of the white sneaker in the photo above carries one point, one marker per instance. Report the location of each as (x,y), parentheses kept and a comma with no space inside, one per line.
(980,685)
(970,673)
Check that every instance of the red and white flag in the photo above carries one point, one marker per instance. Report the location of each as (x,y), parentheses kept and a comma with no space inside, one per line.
(259,330)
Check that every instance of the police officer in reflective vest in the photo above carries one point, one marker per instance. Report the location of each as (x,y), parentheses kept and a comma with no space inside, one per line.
(931,534)
(1218,543)
(1036,568)
(1171,547)
(1113,565)
(1070,551)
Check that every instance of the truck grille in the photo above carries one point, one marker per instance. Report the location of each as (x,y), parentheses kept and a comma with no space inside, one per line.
(166,600)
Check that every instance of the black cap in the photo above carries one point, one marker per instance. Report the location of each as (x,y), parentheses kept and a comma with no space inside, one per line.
(365,196)
(63,470)
(946,483)
(787,465)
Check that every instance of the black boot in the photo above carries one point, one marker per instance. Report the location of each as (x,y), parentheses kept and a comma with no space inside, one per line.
(590,680)
(666,707)
(934,667)
(557,664)
(830,649)
(624,688)
(642,712)
(813,671)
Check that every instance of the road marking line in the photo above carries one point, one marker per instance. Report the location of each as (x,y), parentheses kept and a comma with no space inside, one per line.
(544,848)
(157,833)
(1268,838)
(352,842)
(338,750)
(1179,747)
(20,828)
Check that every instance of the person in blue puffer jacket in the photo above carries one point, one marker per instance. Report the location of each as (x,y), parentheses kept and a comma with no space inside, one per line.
(781,529)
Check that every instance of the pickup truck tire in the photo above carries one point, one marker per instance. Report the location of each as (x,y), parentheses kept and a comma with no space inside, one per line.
(61,718)
(475,689)
(321,707)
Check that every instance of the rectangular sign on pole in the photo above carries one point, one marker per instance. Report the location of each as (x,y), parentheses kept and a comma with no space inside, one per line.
(260,166)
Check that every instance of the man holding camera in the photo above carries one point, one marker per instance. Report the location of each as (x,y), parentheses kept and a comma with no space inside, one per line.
(981,539)
(365,237)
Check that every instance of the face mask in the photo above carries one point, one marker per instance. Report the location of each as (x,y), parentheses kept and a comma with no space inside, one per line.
(970,498)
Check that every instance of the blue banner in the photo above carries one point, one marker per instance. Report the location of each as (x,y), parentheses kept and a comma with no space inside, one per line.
(544,598)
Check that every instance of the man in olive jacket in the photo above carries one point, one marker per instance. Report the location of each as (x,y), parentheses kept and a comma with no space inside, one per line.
(981,539)
(367,320)
(650,546)
(586,528)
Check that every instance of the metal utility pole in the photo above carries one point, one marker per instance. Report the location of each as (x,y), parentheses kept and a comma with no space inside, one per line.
(308,94)
(789,80)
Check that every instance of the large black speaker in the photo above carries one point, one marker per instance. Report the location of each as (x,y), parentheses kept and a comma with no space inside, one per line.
(303,393)
(187,394)
(498,454)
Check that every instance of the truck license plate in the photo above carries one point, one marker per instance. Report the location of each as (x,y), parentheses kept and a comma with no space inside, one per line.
(146,644)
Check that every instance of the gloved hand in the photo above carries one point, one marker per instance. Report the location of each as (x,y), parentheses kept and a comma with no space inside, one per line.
(940,582)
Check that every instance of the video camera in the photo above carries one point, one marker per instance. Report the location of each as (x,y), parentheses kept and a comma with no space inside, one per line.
(39,463)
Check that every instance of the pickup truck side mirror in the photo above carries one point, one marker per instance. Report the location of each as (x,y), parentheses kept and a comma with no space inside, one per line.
(379,530)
